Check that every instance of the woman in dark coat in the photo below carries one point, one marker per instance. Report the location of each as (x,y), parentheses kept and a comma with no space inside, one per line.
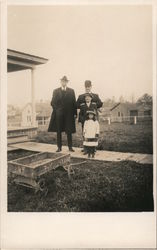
(81,99)
(64,113)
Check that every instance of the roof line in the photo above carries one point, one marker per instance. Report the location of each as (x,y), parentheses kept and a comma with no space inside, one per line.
(115,106)
(26,54)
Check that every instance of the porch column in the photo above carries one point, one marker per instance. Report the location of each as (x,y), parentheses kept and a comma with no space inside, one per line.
(33,96)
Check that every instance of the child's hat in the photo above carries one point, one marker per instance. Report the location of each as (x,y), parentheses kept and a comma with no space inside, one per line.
(91,112)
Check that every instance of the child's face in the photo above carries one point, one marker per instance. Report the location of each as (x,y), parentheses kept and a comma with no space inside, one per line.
(88,98)
(91,116)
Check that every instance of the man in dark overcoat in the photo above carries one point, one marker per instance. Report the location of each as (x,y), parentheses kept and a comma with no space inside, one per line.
(64,113)
(81,99)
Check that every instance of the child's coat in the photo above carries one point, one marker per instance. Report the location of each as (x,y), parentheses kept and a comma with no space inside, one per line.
(91,128)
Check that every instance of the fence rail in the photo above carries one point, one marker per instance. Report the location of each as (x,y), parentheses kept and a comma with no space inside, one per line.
(43,124)
(131,119)
(14,124)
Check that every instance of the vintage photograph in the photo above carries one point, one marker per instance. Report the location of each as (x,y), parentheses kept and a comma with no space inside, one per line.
(80,108)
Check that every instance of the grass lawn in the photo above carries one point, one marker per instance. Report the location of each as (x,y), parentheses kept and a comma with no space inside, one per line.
(95,187)
(120,137)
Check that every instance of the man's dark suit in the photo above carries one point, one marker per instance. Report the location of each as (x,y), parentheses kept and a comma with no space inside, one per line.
(63,115)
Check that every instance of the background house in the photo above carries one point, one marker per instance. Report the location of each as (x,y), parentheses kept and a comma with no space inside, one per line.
(43,112)
(125,111)
(20,117)
(26,115)
(13,116)
(23,117)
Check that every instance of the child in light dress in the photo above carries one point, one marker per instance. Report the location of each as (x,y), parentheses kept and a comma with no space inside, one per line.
(90,133)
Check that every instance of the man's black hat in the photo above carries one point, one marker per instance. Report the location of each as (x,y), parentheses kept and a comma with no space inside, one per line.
(88,83)
(64,78)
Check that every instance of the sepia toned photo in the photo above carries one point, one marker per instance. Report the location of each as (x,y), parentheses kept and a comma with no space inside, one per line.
(80,108)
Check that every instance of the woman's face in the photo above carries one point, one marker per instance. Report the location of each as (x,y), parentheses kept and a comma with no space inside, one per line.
(88,98)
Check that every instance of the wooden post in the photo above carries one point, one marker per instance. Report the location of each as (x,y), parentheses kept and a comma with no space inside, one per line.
(33,97)
(109,120)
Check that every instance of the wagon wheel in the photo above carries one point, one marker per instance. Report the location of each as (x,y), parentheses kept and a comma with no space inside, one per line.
(69,169)
(42,187)
(44,192)
(41,184)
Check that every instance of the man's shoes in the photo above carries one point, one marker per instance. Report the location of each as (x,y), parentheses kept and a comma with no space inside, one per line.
(58,150)
(71,150)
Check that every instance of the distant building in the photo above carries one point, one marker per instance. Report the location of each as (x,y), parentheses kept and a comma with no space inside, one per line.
(11,110)
(13,116)
(105,112)
(26,115)
(121,111)
(20,117)
(23,117)
(44,111)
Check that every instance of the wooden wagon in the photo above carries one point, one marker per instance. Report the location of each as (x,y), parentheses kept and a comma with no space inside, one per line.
(29,171)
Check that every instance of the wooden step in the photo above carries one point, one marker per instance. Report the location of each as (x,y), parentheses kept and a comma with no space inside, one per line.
(16,135)
(17,138)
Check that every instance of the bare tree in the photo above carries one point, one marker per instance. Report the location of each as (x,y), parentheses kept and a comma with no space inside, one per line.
(145,99)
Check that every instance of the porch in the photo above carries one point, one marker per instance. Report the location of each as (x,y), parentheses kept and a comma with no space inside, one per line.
(17,61)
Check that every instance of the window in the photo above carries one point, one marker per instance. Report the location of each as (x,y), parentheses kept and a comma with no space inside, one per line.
(147,113)
(134,112)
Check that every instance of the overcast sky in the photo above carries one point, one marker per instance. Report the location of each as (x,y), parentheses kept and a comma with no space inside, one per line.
(109,45)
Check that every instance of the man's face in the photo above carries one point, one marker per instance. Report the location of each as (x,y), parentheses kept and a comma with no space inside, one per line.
(63,83)
(88,89)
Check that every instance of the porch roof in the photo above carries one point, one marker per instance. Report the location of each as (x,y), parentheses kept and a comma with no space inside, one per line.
(17,60)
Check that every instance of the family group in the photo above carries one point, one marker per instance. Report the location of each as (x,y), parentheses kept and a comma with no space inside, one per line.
(66,109)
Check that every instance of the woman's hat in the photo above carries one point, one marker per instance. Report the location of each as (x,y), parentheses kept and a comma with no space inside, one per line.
(88,94)
(64,78)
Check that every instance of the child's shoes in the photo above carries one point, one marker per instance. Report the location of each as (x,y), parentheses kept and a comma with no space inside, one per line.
(93,155)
